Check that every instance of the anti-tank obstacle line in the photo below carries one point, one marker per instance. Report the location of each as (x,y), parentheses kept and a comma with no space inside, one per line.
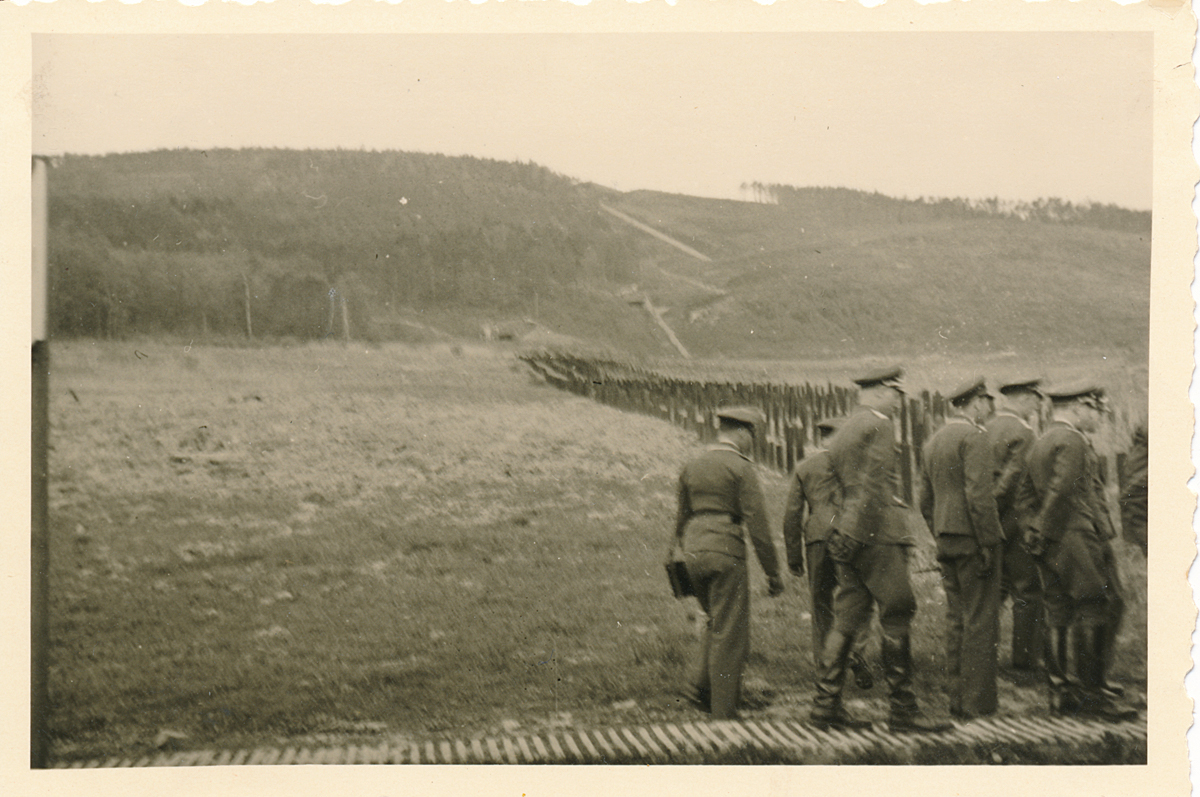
(793,411)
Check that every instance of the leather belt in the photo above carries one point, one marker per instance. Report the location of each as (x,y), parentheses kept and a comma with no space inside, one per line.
(734,519)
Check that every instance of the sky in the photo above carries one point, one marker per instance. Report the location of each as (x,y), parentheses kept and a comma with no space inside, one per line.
(1012,115)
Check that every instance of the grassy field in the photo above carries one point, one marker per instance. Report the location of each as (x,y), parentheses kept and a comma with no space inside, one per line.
(326,544)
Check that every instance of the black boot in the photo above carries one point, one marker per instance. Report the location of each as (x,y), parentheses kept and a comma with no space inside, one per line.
(698,698)
(1064,695)
(1094,700)
(916,723)
(1027,633)
(904,717)
(1110,637)
(862,672)
(828,711)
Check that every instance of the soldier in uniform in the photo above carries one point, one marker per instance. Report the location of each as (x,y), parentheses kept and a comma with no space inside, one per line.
(1010,434)
(959,506)
(868,543)
(1069,534)
(720,503)
(814,500)
(1136,493)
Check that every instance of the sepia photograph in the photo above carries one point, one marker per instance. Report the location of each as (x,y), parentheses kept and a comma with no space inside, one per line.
(590,396)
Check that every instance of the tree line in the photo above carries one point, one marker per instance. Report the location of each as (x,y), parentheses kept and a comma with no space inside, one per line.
(847,203)
(310,243)
(314,243)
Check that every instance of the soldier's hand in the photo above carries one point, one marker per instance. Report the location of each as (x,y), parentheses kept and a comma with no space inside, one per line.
(774,586)
(1035,543)
(987,560)
(841,548)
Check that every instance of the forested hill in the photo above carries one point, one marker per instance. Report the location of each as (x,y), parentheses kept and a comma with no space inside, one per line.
(173,240)
(308,244)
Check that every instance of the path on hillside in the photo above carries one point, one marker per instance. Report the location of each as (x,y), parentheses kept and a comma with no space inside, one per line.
(656,313)
(695,283)
(659,235)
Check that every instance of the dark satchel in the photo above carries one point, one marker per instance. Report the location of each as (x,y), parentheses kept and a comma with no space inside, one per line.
(677,574)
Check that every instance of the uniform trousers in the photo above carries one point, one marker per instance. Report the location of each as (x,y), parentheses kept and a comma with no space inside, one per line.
(1116,604)
(822,584)
(1022,584)
(972,633)
(1083,595)
(876,574)
(722,586)
(1080,582)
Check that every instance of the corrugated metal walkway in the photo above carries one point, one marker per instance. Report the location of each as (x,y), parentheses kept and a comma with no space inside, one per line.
(700,742)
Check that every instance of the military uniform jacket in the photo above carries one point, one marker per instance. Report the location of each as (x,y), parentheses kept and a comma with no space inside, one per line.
(1010,438)
(815,486)
(1133,500)
(957,483)
(1064,474)
(719,494)
(863,456)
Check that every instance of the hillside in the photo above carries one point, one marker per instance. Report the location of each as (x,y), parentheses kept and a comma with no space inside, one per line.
(392,245)
(892,280)
(176,240)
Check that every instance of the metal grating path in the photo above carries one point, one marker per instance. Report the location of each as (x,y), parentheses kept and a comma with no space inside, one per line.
(704,742)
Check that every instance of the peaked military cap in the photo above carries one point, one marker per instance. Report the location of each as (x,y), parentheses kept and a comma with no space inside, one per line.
(968,390)
(888,377)
(749,416)
(1022,385)
(1088,393)
(829,425)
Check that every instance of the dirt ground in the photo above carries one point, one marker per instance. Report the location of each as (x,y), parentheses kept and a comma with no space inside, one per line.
(326,543)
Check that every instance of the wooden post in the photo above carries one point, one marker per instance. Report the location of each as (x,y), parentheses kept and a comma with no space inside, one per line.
(1122,473)
(920,425)
(777,422)
(906,467)
(706,429)
(249,325)
(39,631)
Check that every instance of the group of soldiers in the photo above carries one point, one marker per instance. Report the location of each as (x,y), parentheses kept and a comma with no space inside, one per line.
(1013,514)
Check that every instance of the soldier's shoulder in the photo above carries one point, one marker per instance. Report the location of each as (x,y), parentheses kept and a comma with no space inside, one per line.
(1057,437)
(954,431)
(862,421)
(813,463)
(1061,432)
(707,455)
(1002,423)
(727,457)
(978,437)
(958,427)
(938,437)
(1009,425)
